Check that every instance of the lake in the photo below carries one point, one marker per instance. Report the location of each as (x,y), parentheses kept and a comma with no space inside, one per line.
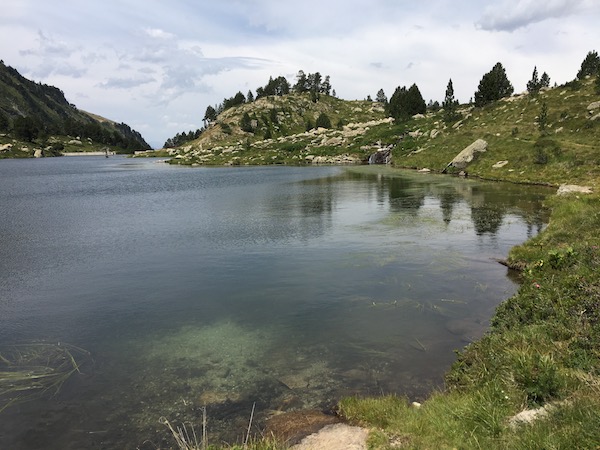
(158,291)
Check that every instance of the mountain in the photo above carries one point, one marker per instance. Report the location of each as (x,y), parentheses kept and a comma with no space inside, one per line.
(563,145)
(39,114)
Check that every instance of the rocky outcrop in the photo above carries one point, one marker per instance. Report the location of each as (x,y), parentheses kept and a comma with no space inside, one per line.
(462,160)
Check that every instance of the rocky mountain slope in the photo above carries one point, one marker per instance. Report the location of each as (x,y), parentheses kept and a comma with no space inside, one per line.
(37,116)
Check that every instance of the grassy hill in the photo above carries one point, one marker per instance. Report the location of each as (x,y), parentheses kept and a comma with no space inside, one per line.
(566,150)
(35,116)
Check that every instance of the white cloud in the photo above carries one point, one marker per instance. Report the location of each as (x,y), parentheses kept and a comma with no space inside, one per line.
(135,61)
(511,15)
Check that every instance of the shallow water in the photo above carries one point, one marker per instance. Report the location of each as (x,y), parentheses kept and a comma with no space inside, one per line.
(224,287)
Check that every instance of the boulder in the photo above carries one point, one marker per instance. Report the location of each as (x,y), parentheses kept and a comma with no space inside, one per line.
(5,147)
(593,106)
(466,156)
(499,164)
(565,189)
(38,153)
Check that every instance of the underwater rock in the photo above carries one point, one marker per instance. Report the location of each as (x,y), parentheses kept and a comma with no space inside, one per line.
(293,426)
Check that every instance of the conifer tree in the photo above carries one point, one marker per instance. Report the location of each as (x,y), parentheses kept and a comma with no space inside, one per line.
(450,104)
(533,85)
(493,86)
(380,97)
(590,65)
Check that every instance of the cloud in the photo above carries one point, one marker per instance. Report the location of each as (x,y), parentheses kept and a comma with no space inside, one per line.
(510,15)
(48,45)
(125,83)
(158,33)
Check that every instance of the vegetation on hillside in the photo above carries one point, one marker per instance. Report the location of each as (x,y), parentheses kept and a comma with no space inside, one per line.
(33,113)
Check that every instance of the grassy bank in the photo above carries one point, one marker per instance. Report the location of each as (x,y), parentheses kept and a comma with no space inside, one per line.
(543,351)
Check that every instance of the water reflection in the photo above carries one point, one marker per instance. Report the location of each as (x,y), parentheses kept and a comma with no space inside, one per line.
(287,287)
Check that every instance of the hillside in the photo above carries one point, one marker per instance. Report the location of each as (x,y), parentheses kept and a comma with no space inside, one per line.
(37,116)
(565,150)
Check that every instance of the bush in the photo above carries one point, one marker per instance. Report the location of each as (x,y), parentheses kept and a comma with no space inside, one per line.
(323,121)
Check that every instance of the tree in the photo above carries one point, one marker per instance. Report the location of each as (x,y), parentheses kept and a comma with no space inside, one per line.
(26,128)
(405,103)
(493,86)
(534,85)
(249,97)
(210,115)
(301,85)
(323,121)
(394,107)
(450,104)
(545,80)
(326,86)
(597,84)
(380,97)
(246,123)
(415,104)
(590,65)
(543,118)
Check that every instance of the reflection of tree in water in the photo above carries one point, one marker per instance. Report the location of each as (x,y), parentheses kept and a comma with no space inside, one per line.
(447,200)
(405,195)
(487,218)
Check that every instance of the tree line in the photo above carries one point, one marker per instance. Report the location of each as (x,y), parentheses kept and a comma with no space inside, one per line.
(402,105)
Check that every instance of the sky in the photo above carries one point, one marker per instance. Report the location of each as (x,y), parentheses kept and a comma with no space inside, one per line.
(156,65)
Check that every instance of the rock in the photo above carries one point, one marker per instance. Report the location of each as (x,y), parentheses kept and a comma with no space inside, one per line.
(466,156)
(559,130)
(5,147)
(566,189)
(38,153)
(424,170)
(75,142)
(434,133)
(418,116)
(291,427)
(499,164)
(335,437)
(596,117)
(415,134)
(457,124)
(593,106)
(381,156)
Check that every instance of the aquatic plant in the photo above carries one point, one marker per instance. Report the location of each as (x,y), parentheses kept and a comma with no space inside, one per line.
(31,370)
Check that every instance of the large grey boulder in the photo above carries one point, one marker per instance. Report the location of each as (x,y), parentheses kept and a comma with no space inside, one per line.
(462,160)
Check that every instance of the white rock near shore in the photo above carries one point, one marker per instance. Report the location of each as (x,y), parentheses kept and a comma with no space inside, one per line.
(566,189)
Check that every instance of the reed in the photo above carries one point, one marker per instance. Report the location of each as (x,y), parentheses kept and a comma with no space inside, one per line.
(31,370)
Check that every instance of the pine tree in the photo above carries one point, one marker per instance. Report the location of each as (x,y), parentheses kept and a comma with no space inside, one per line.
(493,86)
(301,85)
(450,104)
(250,97)
(380,97)
(590,65)
(534,85)
(210,115)
(545,80)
